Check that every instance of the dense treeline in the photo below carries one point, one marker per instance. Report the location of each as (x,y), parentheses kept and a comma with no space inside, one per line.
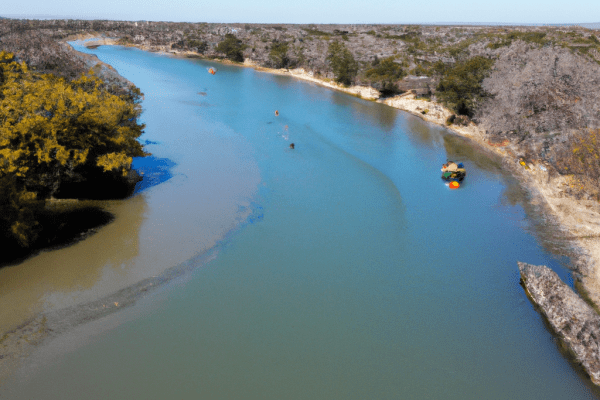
(55,132)
(536,87)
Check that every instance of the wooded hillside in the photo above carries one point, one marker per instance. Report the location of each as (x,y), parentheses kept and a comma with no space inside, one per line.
(535,87)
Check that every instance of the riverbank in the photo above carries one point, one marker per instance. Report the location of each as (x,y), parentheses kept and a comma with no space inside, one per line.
(579,219)
(342,278)
(83,278)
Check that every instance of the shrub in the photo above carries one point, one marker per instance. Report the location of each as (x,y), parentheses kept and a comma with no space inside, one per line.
(278,55)
(17,223)
(199,45)
(232,47)
(460,86)
(342,63)
(529,37)
(581,158)
(384,74)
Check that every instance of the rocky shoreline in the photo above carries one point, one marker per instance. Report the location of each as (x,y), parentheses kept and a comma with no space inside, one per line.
(573,320)
(570,317)
(578,219)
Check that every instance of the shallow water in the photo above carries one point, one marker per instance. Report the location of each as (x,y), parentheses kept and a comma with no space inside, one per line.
(356,272)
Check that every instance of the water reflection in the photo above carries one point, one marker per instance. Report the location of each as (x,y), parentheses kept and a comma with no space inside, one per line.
(459,149)
(382,116)
(26,289)
(421,132)
(540,223)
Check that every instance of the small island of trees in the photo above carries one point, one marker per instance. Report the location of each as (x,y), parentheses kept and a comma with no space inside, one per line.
(56,135)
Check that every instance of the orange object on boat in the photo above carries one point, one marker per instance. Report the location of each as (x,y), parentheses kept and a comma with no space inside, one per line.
(454,185)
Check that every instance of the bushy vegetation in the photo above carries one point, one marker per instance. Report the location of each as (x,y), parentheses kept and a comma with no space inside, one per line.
(232,47)
(198,46)
(315,32)
(581,159)
(43,54)
(384,75)
(460,87)
(18,225)
(278,55)
(53,131)
(342,63)
(529,37)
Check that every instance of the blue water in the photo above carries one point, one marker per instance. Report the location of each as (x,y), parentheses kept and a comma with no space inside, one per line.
(358,273)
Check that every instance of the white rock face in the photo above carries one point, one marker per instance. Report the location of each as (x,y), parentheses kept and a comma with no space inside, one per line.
(573,320)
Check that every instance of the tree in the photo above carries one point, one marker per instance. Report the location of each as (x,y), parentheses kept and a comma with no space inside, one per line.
(460,87)
(278,55)
(51,129)
(342,62)
(232,47)
(385,74)
(199,45)
(17,221)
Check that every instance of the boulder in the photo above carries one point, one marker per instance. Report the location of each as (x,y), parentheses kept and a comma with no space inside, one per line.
(575,322)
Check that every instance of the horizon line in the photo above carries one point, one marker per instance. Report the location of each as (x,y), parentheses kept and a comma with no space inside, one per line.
(447,23)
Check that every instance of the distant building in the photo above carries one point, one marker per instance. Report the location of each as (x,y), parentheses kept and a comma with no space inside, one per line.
(420,85)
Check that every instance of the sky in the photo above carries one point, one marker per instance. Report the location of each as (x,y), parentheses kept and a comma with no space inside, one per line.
(314,11)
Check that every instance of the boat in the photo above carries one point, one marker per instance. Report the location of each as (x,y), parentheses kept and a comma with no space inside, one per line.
(454,176)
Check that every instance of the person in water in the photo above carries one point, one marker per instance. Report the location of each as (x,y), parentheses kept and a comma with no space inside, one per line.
(449,167)
(276,113)
(292,145)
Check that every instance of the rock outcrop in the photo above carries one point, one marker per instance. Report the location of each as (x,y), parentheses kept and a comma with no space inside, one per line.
(573,320)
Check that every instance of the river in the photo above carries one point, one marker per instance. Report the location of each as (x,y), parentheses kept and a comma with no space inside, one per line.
(341,269)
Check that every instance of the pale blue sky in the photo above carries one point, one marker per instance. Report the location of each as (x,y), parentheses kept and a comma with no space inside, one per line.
(312,11)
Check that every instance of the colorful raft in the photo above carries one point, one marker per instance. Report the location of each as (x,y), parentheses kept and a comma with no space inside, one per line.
(455,176)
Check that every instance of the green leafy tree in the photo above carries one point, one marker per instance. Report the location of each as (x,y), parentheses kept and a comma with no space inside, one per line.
(342,63)
(460,86)
(199,45)
(385,74)
(232,47)
(278,55)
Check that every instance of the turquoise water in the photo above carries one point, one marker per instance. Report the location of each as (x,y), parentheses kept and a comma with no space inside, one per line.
(357,274)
